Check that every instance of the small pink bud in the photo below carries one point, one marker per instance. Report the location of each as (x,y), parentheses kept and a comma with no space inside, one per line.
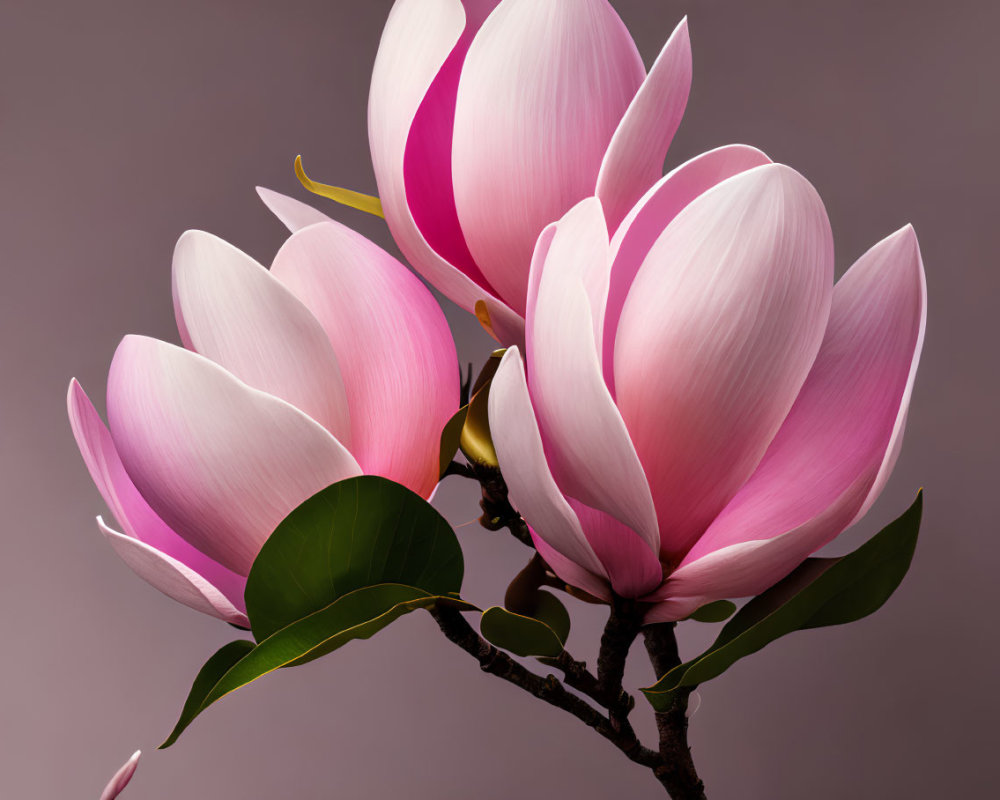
(121,778)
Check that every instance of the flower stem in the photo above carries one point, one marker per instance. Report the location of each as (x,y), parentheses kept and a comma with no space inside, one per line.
(621,630)
(550,689)
(676,771)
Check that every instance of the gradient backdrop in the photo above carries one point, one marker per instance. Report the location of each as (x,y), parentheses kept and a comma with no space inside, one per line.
(125,123)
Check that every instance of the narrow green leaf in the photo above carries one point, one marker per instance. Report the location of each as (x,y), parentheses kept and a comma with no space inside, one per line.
(450,436)
(475,440)
(719,611)
(489,370)
(819,593)
(358,532)
(217,666)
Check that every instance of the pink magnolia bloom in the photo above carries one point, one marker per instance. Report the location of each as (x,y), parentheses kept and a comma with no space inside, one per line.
(334,363)
(121,778)
(488,120)
(702,407)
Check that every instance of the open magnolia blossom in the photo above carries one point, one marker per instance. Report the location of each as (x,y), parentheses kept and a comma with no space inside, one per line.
(121,778)
(488,120)
(702,408)
(335,363)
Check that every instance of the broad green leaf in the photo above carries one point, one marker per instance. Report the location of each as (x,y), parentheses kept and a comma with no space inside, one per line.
(719,611)
(217,666)
(357,615)
(341,566)
(819,593)
(356,533)
(542,635)
(347,197)
(553,613)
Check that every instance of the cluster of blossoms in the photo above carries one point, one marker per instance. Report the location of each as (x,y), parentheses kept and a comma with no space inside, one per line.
(688,406)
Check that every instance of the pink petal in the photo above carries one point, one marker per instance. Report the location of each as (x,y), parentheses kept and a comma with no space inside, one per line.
(569,571)
(632,566)
(143,525)
(233,311)
(651,215)
(505,326)
(392,342)
(717,335)
(533,491)
(176,580)
(417,41)
(543,87)
(590,450)
(634,159)
(672,610)
(538,256)
(833,454)
(121,778)
(221,463)
(293,214)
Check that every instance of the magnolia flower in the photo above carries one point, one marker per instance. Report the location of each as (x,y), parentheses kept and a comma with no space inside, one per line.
(334,363)
(703,408)
(121,778)
(488,120)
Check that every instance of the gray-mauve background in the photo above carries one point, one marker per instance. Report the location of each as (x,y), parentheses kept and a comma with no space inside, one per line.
(125,123)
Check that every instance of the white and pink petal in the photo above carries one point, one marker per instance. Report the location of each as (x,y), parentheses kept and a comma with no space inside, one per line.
(833,454)
(392,342)
(717,335)
(648,218)
(532,489)
(142,524)
(175,579)
(220,462)
(232,310)
(293,214)
(525,151)
(588,445)
(634,159)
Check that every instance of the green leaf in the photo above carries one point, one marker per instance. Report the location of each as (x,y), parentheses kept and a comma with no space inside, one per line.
(358,532)
(719,611)
(475,439)
(489,370)
(543,634)
(342,566)
(821,592)
(450,436)
(357,615)
(217,666)
(553,613)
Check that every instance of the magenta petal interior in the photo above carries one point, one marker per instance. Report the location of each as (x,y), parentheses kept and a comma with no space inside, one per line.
(430,192)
